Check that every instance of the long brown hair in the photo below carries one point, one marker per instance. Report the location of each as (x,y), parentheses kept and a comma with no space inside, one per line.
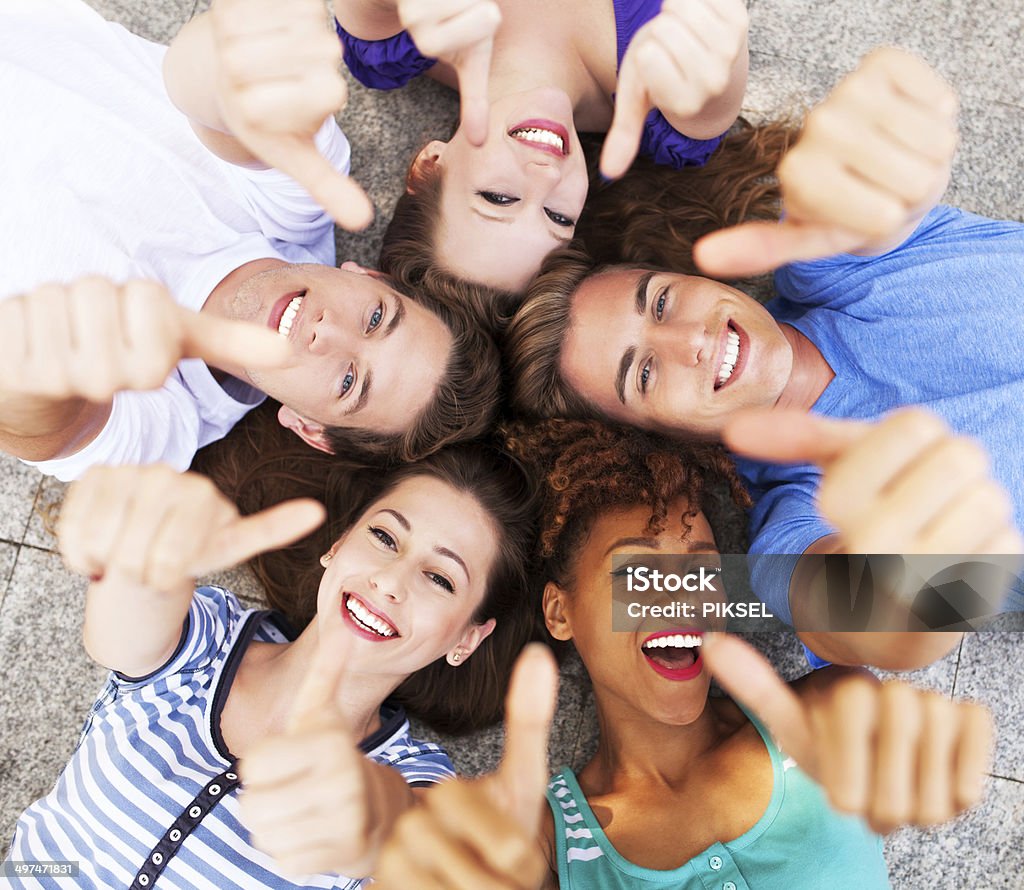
(409,254)
(654,215)
(450,700)
(650,219)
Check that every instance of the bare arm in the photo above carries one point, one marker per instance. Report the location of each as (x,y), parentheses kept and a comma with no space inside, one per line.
(879,489)
(690,62)
(257,81)
(190,70)
(65,350)
(368,19)
(143,534)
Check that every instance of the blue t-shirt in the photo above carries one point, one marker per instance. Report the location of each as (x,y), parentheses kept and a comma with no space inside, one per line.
(150,795)
(392,62)
(935,322)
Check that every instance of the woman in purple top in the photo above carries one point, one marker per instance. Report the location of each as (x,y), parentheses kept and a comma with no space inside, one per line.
(509,185)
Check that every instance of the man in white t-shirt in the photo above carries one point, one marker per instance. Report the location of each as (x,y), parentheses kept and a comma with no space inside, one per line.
(105,182)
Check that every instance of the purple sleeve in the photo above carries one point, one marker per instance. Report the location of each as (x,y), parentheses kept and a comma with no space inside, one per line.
(383,64)
(665,145)
(661,142)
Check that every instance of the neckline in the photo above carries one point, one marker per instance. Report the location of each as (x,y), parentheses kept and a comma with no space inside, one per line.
(736,844)
(392,716)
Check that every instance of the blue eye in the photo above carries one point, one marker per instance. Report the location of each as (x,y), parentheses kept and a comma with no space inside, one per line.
(560,219)
(376,318)
(659,307)
(645,375)
(347,381)
(441,581)
(498,198)
(383,537)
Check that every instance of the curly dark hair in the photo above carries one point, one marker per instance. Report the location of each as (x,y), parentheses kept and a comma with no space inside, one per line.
(588,467)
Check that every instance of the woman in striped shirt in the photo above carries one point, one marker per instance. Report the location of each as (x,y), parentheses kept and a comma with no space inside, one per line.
(430,572)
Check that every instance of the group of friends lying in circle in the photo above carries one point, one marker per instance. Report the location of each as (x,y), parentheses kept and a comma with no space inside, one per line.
(550,368)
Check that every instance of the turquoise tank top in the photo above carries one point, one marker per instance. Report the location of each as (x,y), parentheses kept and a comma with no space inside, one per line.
(800,843)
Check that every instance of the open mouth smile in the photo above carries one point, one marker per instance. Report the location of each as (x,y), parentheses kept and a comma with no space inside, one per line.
(674,654)
(544,135)
(367,623)
(285,312)
(734,353)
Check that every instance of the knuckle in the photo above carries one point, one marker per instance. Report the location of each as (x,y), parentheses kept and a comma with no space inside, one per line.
(855,694)
(883,823)
(886,58)
(996,499)
(508,851)
(917,424)
(717,79)
(966,457)
(931,812)
(827,120)
(846,799)
(900,700)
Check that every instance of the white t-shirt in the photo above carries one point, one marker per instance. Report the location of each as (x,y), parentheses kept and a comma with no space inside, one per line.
(101,174)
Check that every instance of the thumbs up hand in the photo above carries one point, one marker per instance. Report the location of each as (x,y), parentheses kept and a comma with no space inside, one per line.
(483,832)
(680,62)
(906,484)
(278,79)
(891,753)
(872,159)
(309,794)
(461,33)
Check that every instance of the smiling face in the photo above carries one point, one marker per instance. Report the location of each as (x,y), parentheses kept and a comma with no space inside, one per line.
(364,357)
(675,353)
(404,582)
(507,204)
(634,670)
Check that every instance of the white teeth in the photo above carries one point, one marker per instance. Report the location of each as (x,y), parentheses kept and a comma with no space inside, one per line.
(367,619)
(284,326)
(732,352)
(675,641)
(542,137)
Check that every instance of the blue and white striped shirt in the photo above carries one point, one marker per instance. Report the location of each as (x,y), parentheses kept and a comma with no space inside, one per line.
(148,798)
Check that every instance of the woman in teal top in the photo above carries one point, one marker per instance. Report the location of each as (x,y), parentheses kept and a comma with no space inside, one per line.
(685,791)
(799,842)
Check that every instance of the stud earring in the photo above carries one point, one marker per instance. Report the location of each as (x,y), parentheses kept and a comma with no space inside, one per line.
(456,657)
(326,558)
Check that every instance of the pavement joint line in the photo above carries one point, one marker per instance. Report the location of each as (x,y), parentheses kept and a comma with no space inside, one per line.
(956,669)
(40,549)
(1007,778)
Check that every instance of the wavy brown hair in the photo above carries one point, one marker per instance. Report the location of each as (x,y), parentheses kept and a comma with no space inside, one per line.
(463,405)
(449,699)
(586,467)
(650,219)
(654,215)
(409,254)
